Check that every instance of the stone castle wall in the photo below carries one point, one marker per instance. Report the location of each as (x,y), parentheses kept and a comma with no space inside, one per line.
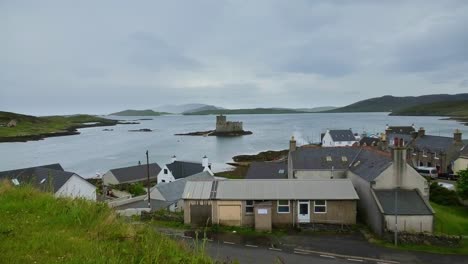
(227,126)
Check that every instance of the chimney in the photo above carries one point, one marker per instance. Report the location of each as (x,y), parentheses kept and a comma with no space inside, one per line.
(173,158)
(399,161)
(421,132)
(205,163)
(387,130)
(292,144)
(457,136)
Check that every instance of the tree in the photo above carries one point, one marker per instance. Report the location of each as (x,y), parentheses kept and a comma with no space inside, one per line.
(462,184)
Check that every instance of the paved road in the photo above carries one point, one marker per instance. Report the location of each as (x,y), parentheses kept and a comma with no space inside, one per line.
(226,253)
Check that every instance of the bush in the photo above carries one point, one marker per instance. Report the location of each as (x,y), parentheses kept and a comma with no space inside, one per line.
(462,184)
(136,189)
(443,196)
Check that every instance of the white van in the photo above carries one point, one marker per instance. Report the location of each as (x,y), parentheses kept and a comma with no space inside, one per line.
(427,172)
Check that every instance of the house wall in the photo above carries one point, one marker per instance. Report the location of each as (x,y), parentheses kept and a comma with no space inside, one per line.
(410,223)
(109,179)
(162,177)
(327,141)
(368,209)
(319,174)
(338,212)
(411,179)
(460,164)
(77,187)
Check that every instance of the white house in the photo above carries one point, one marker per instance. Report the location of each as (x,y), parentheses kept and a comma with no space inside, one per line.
(339,138)
(52,178)
(462,162)
(181,169)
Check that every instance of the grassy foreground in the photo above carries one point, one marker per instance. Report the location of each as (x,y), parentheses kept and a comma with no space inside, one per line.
(451,220)
(35,227)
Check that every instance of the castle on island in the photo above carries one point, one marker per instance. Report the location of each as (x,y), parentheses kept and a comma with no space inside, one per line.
(227,126)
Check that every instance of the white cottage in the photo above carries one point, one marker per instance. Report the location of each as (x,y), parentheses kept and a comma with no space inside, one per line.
(181,169)
(339,138)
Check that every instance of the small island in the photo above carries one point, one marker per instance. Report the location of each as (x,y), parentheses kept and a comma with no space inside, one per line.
(131,112)
(224,128)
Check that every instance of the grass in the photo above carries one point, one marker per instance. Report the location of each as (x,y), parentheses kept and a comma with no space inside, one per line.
(39,228)
(449,108)
(31,125)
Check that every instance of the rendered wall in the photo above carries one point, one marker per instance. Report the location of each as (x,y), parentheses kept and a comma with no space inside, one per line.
(410,223)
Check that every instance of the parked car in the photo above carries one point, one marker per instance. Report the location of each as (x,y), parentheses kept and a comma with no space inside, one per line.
(448,176)
(430,172)
(447,186)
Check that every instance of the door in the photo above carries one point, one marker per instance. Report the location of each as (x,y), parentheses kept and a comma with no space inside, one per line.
(200,215)
(303,212)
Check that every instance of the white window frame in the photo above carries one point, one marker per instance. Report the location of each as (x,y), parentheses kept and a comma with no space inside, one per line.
(283,205)
(320,205)
(249,206)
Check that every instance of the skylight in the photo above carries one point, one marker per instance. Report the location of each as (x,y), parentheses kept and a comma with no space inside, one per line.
(329,158)
(15,182)
(344,158)
(281,171)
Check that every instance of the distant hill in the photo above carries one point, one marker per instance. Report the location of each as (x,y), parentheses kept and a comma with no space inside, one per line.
(147,112)
(246,111)
(316,109)
(203,108)
(451,108)
(390,103)
(178,109)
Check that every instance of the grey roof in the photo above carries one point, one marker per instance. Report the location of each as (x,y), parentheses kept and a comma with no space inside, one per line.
(267,170)
(143,203)
(316,158)
(464,151)
(338,189)
(370,164)
(136,173)
(402,129)
(342,135)
(172,191)
(55,166)
(369,141)
(44,178)
(409,202)
(433,143)
(182,169)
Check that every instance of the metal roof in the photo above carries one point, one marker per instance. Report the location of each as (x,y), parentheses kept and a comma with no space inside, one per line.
(409,202)
(256,189)
(172,191)
(267,170)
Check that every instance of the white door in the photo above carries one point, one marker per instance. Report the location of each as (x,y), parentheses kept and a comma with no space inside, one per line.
(303,210)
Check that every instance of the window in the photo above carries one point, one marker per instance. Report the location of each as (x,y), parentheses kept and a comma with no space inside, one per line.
(283,207)
(329,158)
(249,207)
(344,158)
(320,207)
(165,171)
(176,204)
(429,164)
(163,180)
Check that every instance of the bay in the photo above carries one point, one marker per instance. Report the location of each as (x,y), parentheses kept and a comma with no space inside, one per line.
(96,151)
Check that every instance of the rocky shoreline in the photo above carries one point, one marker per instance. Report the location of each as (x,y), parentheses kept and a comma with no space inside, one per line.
(73,130)
(217,134)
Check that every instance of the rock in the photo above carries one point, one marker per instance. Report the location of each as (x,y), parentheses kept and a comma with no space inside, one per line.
(141,130)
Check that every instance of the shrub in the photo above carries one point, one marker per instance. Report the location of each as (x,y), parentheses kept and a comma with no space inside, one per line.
(443,196)
(462,184)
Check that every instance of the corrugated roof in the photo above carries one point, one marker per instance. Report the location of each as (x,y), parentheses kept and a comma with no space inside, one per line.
(173,191)
(267,170)
(340,189)
(136,173)
(182,169)
(342,135)
(409,202)
(198,190)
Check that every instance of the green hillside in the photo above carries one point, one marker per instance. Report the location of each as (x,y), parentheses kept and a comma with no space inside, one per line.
(245,111)
(453,109)
(36,227)
(43,126)
(393,104)
(130,112)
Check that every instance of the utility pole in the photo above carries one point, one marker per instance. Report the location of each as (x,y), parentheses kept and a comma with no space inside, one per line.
(148,180)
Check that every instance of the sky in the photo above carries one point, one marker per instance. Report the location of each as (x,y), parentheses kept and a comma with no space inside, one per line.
(98,57)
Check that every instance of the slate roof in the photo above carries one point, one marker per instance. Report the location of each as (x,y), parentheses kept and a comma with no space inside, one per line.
(136,173)
(370,164)
(44,178)
(182,169)
(267,170)
(464,151)
(409,202)
(342,135)
(407,130)
(316,158)
(338,189)
(433,143)
(369,141)
(55,166)
(172,191)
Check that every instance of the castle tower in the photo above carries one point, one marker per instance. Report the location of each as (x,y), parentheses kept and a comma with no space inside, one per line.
(220,122)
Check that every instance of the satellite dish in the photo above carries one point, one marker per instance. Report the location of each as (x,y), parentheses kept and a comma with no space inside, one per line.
(15,182)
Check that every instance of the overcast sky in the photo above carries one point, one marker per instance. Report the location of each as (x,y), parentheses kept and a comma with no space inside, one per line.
(103,56)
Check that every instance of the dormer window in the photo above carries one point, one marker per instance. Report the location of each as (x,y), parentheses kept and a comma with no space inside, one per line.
(329,158)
